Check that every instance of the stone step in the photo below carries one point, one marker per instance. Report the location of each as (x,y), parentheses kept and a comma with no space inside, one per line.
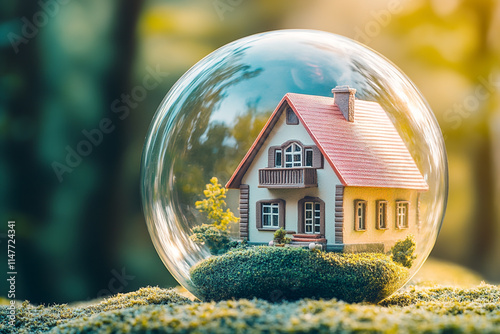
(307,236)
(306,240)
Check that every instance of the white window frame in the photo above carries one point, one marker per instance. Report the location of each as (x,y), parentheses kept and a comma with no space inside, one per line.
(314,219)
(402,208)
(274,212)
(360,215)
(278,162)
(382,215)
(295,155)
(306,152)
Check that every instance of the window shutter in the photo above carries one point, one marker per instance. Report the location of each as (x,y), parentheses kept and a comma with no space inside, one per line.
(270,156)
(282,212)
(317,157)
(300,226)
(258,214)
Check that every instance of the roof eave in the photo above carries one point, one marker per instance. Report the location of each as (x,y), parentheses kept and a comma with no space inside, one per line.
(235,180)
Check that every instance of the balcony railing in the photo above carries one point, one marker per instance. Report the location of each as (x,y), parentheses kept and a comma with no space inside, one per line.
(296,177)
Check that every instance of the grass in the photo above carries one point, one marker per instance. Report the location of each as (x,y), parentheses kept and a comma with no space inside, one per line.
(153,310)
(282,273)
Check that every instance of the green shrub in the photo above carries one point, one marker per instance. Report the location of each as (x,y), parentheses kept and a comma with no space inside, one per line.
(280,236)
(276,273)
(403,252)
(217,241)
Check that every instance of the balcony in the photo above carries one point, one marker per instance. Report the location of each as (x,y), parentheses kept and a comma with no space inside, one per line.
(296,177)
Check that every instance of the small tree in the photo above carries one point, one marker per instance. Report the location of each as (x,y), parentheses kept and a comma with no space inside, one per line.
(214,235)
(403,252)
(280,236)
(213,205)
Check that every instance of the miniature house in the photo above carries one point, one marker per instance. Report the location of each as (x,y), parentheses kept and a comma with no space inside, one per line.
(333,171)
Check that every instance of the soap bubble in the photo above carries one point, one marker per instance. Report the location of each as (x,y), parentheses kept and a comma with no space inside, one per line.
(210,118)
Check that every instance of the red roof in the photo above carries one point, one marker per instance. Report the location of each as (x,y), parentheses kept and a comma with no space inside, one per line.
(365,153)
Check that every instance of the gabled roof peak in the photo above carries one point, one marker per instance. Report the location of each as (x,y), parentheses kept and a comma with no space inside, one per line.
(364,152)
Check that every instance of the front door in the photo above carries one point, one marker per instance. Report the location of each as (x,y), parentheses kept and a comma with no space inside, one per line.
(312,217)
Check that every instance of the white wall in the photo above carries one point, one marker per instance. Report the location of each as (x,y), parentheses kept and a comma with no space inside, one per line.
(327,180)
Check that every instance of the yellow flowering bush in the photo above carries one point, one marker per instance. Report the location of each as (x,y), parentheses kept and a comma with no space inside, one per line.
(214,204)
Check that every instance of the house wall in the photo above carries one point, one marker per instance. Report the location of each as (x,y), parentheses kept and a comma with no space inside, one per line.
(327,180)
(371,235)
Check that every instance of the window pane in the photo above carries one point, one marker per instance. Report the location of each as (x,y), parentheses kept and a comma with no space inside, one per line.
(296,157)
(266,208)
(275,209)
(297,148)
(275,220)
(309,158)
(265,220)
(288,158)
(277,159)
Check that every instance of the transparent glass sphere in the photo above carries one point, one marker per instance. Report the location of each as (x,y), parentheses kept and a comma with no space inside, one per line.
(357,173)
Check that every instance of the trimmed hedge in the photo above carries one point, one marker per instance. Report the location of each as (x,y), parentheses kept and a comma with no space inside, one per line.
(277,273)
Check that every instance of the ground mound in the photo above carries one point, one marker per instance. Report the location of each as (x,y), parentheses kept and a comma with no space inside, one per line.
(286,273)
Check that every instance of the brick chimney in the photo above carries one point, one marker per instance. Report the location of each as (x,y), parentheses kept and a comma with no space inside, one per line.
(344,98)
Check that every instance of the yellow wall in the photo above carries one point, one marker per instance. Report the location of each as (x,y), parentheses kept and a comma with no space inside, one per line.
(371,234)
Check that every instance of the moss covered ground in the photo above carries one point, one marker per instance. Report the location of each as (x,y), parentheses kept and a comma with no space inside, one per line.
(283,273)
(463,306)
(41,319)
(153,310)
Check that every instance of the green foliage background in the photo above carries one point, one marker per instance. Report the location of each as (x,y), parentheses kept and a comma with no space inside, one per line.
(76,236)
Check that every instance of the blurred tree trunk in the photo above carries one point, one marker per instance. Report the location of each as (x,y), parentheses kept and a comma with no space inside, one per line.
(494,269)
(21,194)
(483,61)
(116,82)
(60,83)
